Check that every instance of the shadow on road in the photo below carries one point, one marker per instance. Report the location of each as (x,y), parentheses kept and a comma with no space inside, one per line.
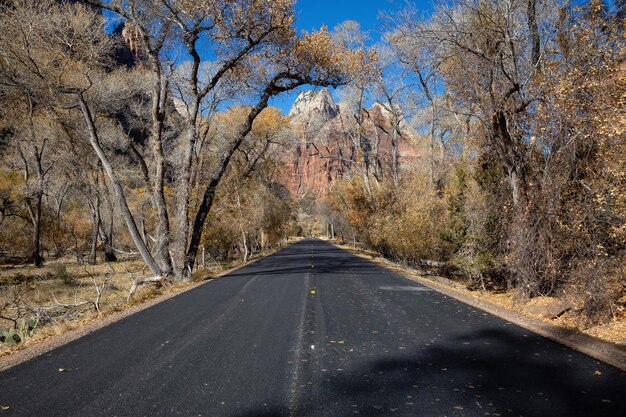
(267,412)
(497,371)
(326,258)
(491,372)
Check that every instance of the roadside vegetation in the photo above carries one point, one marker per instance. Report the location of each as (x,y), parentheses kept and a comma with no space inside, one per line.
(138,148)
(518,109)
(61,295)
(146,137)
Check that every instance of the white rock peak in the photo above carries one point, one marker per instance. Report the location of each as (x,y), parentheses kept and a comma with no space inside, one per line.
(310,101)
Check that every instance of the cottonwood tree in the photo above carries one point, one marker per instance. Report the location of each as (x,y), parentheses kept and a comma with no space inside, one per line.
(32,154)
(507,70)
(32,74)
(313,59)
(392,90)
(353,116)
(419,64)
(86,177)
(251,209)
(107,223)
(581,139)
(269,58)
(493,69)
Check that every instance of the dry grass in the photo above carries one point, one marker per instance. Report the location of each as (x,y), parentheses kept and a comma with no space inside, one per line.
(68,282)
(62,286)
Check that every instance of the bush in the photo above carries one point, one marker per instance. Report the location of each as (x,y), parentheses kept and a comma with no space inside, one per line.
(405,223)
(455,230)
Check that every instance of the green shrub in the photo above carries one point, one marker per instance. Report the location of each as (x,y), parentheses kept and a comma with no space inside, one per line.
(13,336)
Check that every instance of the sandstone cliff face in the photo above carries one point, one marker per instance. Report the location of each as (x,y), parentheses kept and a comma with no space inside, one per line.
(329,148)
(305,172)
(129,50)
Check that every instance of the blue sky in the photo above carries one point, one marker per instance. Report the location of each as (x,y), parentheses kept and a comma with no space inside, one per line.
(315,13)
(312,14)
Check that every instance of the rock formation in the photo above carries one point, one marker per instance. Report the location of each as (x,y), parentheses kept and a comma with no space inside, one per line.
(128,49)
(329,148)
(314,103)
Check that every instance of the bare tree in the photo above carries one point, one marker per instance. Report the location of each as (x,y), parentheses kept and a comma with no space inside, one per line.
(490,71)
(291,62)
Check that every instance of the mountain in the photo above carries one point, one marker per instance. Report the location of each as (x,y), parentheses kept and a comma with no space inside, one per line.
(328,146)
(313,103)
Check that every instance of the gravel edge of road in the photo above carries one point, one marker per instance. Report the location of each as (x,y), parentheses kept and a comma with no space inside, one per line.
(54,342)
(607,352)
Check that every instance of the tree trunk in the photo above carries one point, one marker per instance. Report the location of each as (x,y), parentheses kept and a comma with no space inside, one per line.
(518,188)
(95,217)
(184,195)
(535,36)
(203,210)
(158,187)
(109,252)
(218,173)
(36,221)
(34,210)
(511,155)
(442,152)
(108,233)
(395,155)
(246,250)
(119,191)
(431,148)
(366,183)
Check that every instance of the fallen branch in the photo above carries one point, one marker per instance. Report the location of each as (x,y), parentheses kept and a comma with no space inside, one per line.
(159,281)
(125,253)
(67,306)
(100,287)
(434,264)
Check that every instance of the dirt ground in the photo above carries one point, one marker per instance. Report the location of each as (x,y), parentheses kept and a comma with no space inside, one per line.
(67,295)
(66,290)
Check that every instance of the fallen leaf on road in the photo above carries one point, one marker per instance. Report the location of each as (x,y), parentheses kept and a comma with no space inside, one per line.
(4,407)
(62,370)
(597,373)
(312,291)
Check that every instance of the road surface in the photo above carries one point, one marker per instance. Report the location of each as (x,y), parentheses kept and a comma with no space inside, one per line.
(313,331)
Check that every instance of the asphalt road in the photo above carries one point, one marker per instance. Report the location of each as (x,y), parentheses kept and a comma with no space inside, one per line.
(313,331)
